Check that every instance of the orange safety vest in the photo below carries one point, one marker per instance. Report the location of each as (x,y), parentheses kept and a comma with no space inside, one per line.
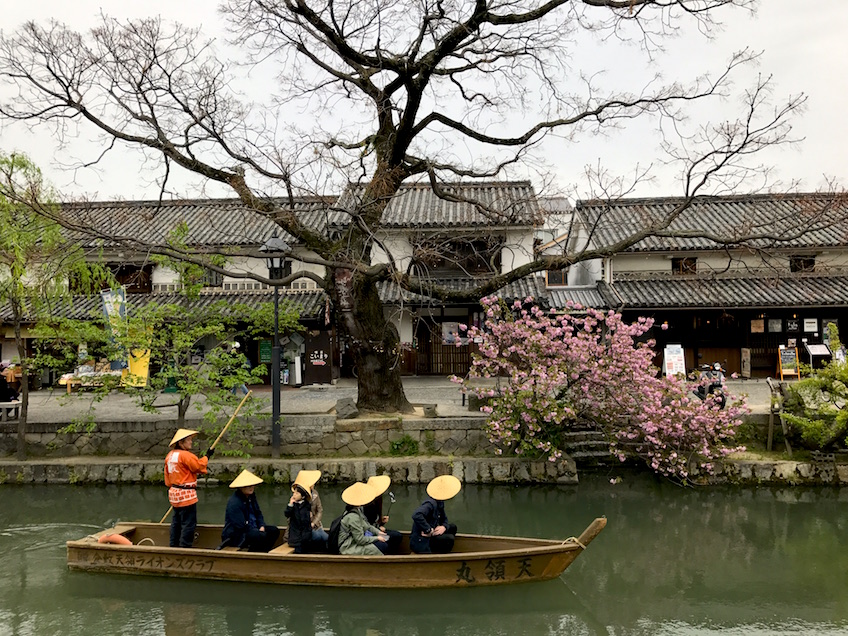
(181,470)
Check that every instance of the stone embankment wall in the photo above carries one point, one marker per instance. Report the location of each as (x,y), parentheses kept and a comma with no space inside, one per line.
(301,436)
(755,472)
(74,470)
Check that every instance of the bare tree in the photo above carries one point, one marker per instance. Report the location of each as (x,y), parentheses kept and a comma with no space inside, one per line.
(383,93)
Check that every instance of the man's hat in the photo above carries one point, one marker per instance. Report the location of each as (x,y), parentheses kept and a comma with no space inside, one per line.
(380,484)
(358,494)
(245,479)
(182,434)
(444,487)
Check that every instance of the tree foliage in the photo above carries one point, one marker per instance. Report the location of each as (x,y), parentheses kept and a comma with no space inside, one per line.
(815,407)
(36,261)
(586,366)
(189,343)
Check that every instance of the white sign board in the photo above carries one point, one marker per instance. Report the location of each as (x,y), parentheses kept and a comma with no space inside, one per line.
(674,362)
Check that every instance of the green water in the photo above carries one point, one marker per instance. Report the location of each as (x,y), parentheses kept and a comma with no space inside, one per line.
(671,561)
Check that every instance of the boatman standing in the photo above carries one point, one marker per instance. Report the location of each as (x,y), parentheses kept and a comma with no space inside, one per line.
(181,470)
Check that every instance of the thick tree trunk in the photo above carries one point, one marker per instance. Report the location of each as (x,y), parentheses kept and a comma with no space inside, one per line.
(373,342)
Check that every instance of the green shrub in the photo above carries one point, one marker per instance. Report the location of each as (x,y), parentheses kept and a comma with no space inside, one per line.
(404,447)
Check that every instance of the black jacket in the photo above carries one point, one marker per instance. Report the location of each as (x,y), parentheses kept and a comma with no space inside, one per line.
(237,518)
(300,523)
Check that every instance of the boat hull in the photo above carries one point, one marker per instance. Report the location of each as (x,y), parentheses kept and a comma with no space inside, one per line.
(476,561)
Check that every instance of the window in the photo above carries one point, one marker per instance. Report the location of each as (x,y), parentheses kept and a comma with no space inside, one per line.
(450,255)
(212,279)
(802,263)
(557,277)
(688,265)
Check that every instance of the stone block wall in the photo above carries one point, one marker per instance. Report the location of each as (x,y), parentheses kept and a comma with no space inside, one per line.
(112,470)
(301,436)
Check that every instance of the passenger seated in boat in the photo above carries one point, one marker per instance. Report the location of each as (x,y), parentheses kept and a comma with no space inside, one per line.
(356,535)
(431,531)
(298,512)
(244,525)
(181,470)
(308,479)
(374,511)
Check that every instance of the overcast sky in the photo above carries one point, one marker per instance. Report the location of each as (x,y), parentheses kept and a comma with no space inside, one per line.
(803,46)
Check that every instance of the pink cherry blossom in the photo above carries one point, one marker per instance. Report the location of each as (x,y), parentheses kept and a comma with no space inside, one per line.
(585,367)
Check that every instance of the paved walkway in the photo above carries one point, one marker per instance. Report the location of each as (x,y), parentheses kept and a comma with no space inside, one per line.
(54,405)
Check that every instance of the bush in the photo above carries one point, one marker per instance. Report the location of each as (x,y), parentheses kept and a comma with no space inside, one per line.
(404,447)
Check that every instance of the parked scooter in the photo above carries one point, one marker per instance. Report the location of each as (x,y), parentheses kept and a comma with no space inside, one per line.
(711,384)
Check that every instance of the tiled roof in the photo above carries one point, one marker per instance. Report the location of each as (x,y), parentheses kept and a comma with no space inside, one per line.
(825,216)
(310,303)
(533,286)
(684,292)
(416,205)
(589,297)
(210,222)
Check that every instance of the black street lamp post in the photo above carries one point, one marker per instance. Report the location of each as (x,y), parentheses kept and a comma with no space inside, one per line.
(275,250)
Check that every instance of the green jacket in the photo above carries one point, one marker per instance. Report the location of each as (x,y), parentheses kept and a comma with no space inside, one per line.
(352,539)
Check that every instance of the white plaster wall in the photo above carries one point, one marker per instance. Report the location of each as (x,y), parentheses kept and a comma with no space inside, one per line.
(397,245)
(402,319)
(517,249)
(741,261)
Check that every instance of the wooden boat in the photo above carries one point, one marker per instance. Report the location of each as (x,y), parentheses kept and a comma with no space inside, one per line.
(475,560)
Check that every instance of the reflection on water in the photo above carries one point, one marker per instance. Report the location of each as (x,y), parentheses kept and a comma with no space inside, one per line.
(671,561)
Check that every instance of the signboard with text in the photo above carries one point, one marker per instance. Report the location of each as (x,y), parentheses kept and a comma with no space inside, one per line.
(788,362)
(674,361)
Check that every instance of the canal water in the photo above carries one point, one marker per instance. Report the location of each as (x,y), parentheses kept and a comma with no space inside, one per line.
(671,561)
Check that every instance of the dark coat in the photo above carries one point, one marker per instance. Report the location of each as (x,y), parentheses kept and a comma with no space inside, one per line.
(237,518)
(428,515)
(300,523)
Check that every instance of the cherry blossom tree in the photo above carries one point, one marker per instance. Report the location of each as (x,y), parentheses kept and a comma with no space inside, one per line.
(590,367)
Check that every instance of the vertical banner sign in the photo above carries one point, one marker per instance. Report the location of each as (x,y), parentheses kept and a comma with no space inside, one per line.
(746,362)
(115,309)
(674,361)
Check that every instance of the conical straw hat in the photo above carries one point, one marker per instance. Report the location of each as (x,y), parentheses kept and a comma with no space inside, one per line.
(444,487)
(380,484)
(245,478)
(182,434)
(306,479)
(358,494)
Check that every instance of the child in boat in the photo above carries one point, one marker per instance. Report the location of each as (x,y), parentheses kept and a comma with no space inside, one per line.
(316,509)
(431,531)
(299,514)
(244,525)
(356,535)
(374,511)
(181,470)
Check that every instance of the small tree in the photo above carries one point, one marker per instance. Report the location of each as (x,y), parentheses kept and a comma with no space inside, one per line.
(815,407)
(36,263)
(563,371)
(172,333)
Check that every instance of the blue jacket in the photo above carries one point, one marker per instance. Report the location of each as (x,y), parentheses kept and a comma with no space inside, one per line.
(242,514)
